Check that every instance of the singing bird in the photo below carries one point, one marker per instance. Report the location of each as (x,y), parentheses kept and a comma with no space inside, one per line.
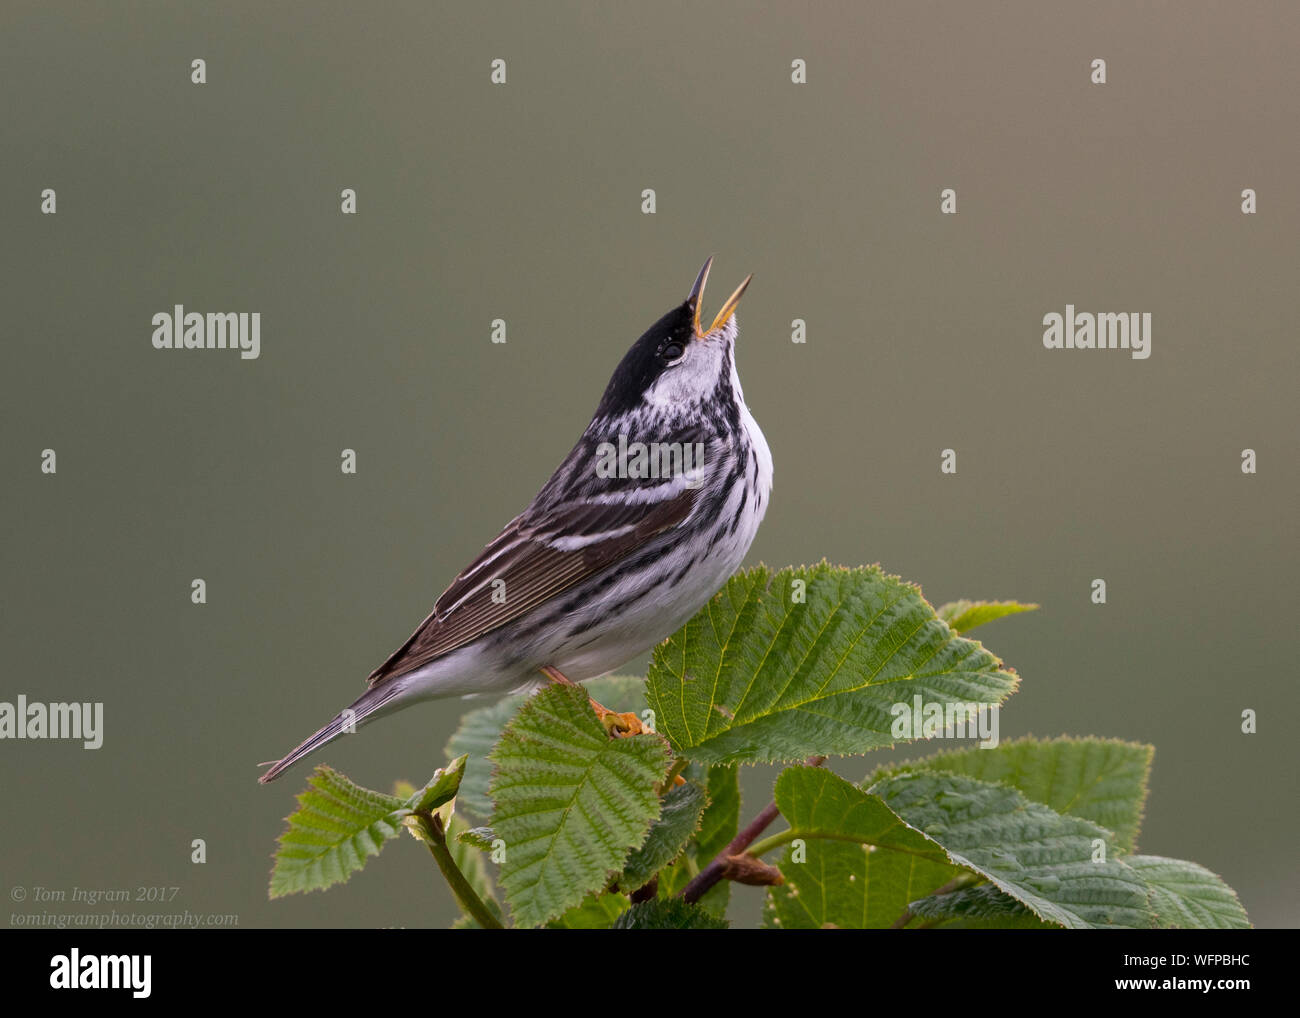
(604,563)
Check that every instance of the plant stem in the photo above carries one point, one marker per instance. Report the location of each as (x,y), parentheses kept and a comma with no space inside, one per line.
(772,841)
(712,873)
(436,839)
(646,893)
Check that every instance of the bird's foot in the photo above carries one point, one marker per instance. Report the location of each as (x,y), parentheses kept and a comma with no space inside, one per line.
(616,724)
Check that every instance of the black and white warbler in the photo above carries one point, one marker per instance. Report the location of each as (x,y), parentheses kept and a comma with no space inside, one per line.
(648,515)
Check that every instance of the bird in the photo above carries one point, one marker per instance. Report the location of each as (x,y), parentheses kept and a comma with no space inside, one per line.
(617,550)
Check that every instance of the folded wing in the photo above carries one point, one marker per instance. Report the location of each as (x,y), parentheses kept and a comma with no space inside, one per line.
(536,560)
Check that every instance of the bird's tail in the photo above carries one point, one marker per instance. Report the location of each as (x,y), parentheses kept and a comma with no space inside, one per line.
(347,720)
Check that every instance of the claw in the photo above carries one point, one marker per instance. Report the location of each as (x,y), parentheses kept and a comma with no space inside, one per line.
(617,725)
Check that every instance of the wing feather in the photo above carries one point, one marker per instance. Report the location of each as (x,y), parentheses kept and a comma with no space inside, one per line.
(537,561)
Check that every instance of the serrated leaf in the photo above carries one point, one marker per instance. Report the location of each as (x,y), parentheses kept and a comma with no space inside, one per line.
(668,914)
(721,819)
(1182,895)
(338,825)
(817,803)
(441,788)
(597,912)
(851,886)
(469,860)
(963,616)
(480,838)
(1028,851)
(1038,856)
(769,671)
(571,802)
(718,827)
(859,864)
(480,729)
(1185,895)
(477,733)
(1102,780)
(982,907)
(679,819)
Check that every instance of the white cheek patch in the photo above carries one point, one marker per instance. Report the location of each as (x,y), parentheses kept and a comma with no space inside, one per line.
(695,376)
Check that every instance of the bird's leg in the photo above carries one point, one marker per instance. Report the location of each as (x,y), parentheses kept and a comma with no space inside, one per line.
(615,724)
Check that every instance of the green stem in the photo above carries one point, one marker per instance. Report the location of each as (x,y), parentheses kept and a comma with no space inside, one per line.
(436,839)
(766,845)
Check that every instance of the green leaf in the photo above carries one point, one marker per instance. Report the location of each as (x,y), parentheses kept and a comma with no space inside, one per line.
(859,864)
(480,838)
(675,876)
(963,616)
(478,732)
(1042,859)
(596,912)
(570,802)
(982,907)
(679,818)
(1102,780)
(773,671)
(820,804)
(668,914)
(480,729)
(851,886)
(469,860)
(336,828)
(1185,895)
(438,797)
(440,790)
(1182,895)
(718,829)
(721,820)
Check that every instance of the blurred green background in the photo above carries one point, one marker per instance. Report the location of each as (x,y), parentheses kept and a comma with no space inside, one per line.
(522,202)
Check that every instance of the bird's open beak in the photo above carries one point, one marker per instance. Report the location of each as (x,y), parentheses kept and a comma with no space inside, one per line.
(697,295)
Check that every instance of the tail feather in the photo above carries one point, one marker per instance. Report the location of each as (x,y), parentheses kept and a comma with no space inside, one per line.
(347,720)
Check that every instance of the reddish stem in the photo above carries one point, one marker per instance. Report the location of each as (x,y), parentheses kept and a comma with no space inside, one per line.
(712,873)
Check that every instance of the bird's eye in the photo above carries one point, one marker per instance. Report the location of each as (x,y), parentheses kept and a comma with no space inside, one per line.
(671,352)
